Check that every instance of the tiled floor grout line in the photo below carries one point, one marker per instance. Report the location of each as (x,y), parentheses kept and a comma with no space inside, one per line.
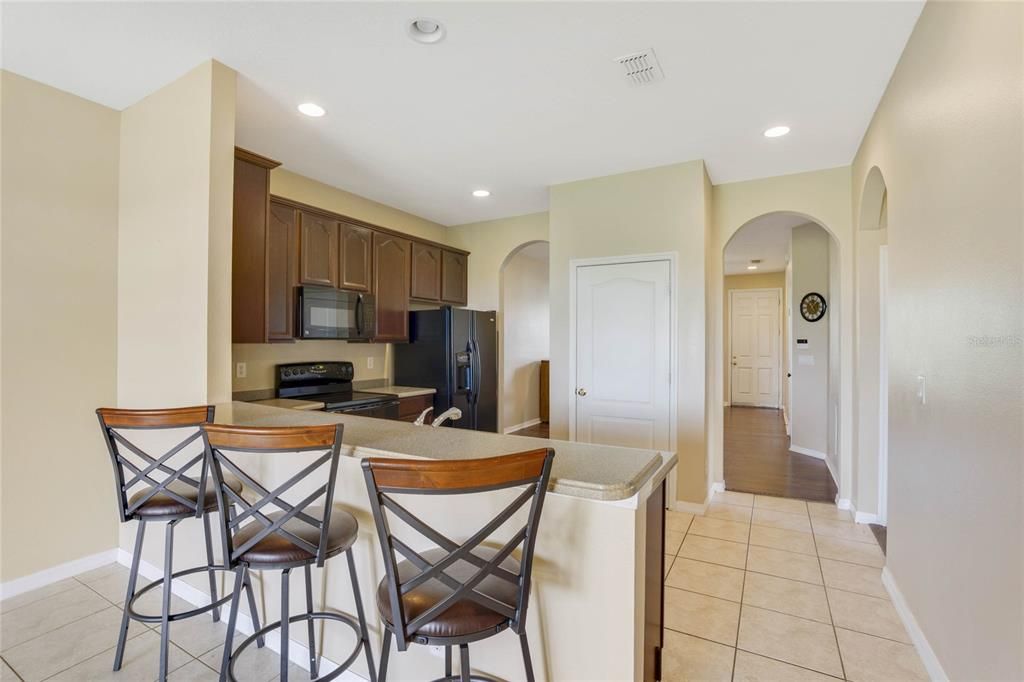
(739,619)
(828,604)
(7,663)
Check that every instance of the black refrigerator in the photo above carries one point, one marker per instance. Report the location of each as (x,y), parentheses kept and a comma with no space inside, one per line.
(454,351)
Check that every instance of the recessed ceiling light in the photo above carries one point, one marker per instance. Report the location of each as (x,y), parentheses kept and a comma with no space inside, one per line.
(777,131)
(426,31)
(311,109)
(751,267)
(481,193)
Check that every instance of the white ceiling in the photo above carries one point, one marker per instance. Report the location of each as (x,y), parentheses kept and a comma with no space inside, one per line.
(767,238)
(516,98)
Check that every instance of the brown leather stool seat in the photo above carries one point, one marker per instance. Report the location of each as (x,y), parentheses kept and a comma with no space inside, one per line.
(464,617)
(278,549)
(163,504)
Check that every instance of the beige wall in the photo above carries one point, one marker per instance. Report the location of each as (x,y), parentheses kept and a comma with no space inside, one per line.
(174,225)
(650,211)
(490,244)
(58,277)
(760,280)
(823,196)
(947,138)
(260,359)
(525,324)
(809,253)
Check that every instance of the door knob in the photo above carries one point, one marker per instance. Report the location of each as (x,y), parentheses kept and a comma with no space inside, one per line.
(581,392)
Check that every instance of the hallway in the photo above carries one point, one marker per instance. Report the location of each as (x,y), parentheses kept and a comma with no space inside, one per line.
(757,458)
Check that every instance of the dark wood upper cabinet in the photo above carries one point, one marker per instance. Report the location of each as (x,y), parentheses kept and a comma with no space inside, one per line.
(426,272)
(454,277)
(356,257)
(391,286)
(318,250)
(282,271)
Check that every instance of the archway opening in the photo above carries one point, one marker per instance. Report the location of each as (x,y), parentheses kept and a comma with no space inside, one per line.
(524,339)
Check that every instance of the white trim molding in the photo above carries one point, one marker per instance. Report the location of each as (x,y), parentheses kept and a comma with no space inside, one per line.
(690,507)
(843,503)
(717,487)
(864,517)
(817,454)
(518,427)
(48,576)
(924,649)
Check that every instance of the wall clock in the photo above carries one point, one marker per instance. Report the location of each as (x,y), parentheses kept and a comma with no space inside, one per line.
(813,307)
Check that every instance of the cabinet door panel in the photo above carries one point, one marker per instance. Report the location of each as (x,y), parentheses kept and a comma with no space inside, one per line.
(426,272)
(391,286)
(454,276)
(282,268)
(356,258)
(318,246)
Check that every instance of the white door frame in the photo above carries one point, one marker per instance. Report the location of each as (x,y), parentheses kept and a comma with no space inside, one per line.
(883,386)
(778,326)
(672,258)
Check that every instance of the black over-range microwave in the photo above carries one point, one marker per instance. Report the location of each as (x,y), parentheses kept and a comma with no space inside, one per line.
(326,313)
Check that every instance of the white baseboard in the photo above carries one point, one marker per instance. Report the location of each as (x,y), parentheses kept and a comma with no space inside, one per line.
(864,517)
(725,404)
(48,576)
(924,649)
(525,424)
(843,503)
(690,507)
(718,487)
(785,419)
(298,653)
(817,454)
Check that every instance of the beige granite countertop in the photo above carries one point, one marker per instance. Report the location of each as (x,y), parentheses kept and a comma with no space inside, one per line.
(291,403)
(401,391)
(596,472)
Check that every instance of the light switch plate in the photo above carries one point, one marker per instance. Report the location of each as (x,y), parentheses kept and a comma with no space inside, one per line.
(369,362)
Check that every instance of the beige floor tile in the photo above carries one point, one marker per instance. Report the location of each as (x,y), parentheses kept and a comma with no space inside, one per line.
(195,672)
(719,528)
(730,497)
(677,522)
(673,539)
(42,616)
(827,510)
(801,642)
(27,598)
(753,668)
(870,615)
(141,663)
(686,658)
(6,673)
(788,540)
(200,634)
(702,616)
(853,578)
(784,564)
(788,596)
(256,665)
(729,512)
(669,560)
(69,645)
(783,520)
(783,504)
(844,530)
(866,554)
(715,551)
(709,579)
(112,584)
(868,658)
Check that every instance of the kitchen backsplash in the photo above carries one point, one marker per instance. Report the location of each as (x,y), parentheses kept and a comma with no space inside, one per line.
(260,359)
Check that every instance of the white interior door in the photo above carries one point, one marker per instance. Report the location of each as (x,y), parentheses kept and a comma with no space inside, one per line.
(623,354)
(756,347)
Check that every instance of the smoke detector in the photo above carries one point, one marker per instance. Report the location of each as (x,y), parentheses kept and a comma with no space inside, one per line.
(642,67)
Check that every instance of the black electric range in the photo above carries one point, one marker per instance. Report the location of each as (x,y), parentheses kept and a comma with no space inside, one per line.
(331,384)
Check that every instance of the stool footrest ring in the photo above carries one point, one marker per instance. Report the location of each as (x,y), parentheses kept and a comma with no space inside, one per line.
(143,618)
(316,615)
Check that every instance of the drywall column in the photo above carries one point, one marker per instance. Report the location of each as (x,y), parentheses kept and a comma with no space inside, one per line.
(809,253)
(174,242)
(59,355)
(524,318)
(651,211)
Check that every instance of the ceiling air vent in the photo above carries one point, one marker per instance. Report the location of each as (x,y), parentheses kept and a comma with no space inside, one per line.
(641,68)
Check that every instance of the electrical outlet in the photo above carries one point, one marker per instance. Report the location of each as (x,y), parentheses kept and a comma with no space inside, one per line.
(369,362)
(240,370)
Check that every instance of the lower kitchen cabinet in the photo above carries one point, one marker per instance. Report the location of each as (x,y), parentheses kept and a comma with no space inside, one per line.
(410,408)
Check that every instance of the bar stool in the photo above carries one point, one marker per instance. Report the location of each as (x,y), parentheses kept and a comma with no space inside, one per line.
(455,594)
(163,493)
(297,535)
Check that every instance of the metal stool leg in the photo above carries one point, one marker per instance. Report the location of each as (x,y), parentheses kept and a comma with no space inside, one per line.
(447,662)
(209,562)
(464,662)
(165,607)
(284,623)
(253,613)
(363,631)
(133,577)
(385,649)
(225,661)
(309,624)
(527,662)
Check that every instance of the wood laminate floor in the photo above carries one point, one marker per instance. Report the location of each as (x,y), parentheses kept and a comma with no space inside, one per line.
(758,459)
(536,431)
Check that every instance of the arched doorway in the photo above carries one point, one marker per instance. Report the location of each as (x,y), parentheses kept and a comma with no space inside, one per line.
(523,323)
(780,371)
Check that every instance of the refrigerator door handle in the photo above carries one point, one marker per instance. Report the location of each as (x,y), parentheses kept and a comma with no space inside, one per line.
(474,359)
